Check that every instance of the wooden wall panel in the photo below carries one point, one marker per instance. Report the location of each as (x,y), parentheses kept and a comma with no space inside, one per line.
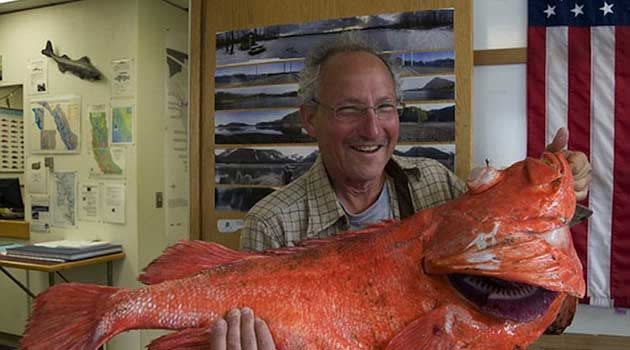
(217,16)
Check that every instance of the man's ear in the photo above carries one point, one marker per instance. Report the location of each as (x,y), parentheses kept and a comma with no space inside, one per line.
(308,115)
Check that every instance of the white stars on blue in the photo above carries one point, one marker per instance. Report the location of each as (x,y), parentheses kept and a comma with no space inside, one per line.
(607,8)
(550,11)
(577,10)
(580,13)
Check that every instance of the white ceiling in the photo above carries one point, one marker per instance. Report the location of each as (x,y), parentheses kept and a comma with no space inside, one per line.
(30,4)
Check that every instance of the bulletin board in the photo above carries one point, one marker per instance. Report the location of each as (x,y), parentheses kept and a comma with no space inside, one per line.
(244,92)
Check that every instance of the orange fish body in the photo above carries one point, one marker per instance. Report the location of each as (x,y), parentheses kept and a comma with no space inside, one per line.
(487,270)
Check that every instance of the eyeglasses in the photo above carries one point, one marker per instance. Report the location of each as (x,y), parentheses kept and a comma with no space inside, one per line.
(356,112)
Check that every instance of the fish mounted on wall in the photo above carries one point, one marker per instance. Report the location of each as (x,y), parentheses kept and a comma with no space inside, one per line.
(82,67)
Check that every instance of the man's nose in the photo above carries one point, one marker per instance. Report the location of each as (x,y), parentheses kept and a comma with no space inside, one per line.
(371,126)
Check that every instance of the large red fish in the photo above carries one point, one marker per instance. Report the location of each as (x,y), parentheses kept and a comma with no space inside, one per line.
(488,270)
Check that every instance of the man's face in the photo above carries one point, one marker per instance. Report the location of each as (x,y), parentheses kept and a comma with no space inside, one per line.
(353,151)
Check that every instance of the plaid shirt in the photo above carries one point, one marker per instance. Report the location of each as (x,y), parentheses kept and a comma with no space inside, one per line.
(308,207)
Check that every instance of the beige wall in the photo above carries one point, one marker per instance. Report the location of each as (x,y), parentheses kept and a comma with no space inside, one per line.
(103,31)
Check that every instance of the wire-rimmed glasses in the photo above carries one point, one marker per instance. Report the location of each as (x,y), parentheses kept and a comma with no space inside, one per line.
(355,112)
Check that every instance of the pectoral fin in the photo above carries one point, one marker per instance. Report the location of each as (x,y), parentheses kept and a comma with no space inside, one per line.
(448,327)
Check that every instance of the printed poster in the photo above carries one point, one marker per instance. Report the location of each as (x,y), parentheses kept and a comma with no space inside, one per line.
(89,202)
(40,213)
(55,125)
(176,137)
(113,203)
(104,160)
(122,124)
(64,197)
(37,76)
(123,79)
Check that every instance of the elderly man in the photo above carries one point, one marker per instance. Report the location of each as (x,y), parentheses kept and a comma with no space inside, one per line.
(350,100)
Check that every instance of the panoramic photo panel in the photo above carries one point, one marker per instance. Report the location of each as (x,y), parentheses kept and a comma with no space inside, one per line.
(238,199)
(428,88)
(417,31)
(273,96)
(427,122)
(285,72)
(423,63)
(262,166)
(443,153)
(260,126)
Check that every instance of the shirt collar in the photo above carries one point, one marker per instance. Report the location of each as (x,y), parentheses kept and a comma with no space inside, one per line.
(324,208)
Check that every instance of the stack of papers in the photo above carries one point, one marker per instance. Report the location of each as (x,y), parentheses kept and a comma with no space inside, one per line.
(61,251)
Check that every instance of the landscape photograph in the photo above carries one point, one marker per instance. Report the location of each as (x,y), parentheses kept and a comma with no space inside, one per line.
(285,72)
(272,167)
(272,96)
(427,88)
(429,122)
(260,126)
(238,199)
(418,31)
(422,63)
(443,153)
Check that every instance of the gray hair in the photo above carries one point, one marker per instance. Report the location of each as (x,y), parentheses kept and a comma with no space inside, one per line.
(345,42)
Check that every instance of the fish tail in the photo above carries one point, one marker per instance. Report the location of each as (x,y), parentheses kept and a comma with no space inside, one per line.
(67,316)
(48,51)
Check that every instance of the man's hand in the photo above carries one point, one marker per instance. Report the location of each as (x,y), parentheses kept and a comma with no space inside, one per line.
(580,167)
(242,331)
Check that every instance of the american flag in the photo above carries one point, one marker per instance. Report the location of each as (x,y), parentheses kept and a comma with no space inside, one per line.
(578,76)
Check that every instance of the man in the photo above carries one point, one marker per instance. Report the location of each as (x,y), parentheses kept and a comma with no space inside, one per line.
(350,100)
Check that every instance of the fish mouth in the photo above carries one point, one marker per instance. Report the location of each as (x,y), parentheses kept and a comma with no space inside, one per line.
(503,299)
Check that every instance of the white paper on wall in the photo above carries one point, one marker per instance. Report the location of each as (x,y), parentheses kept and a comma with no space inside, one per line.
(113,203)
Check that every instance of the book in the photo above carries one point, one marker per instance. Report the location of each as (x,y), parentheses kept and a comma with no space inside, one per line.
(39,249)
(62,253)
(5,246)
(71,244)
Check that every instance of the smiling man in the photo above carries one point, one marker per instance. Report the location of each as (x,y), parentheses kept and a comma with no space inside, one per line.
(350,103)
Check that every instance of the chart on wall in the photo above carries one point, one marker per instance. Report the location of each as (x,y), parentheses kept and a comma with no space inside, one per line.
(64,199)
(257,127)
(12,145)
(55,125)
(105,160)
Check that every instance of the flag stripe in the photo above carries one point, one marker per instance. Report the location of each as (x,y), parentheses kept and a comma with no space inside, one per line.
(620,260)
(557,80)
(579,118)
(602,161)
(536,103)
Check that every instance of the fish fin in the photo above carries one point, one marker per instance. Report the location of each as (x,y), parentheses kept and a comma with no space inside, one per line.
(48,51)
(447,327)
(187,339)
(85,59)
(186,258)
(60,319)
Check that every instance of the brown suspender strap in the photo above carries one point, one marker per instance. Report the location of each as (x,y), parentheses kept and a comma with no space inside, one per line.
(401,183)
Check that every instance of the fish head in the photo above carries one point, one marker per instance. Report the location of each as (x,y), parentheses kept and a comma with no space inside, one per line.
(505,244)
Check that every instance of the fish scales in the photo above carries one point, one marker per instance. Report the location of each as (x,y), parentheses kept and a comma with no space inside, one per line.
(396,285)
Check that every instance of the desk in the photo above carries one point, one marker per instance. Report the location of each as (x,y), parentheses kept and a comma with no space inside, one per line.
(55,267)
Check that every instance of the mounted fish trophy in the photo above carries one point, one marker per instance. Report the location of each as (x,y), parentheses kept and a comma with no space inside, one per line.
(82,67)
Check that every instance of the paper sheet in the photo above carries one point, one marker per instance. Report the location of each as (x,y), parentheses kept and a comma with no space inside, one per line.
(89,201)
(40,213)
(113,203)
